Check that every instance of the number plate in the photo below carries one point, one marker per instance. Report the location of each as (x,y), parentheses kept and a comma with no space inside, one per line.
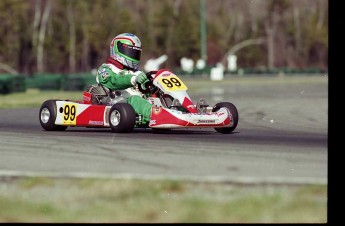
(172,83)
(69,114)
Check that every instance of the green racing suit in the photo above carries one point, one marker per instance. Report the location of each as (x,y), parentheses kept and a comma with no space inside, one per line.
(113,76)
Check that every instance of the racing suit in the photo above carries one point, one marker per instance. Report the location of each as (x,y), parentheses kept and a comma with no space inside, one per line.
(117,77)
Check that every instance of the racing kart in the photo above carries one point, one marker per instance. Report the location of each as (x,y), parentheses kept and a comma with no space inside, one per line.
(172,109)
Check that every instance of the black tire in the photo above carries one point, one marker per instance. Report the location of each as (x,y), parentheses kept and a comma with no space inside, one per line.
(47,116)
(122,118)
(233,110)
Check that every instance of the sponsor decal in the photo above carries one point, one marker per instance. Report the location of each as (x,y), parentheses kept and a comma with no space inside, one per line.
(152,122)
(191,106)
(206,121)
(103,73)
(156,110)
(220,114)
(98,123)
(151,100)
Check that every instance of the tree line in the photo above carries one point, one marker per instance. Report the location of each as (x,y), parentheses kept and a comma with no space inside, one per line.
(67,36)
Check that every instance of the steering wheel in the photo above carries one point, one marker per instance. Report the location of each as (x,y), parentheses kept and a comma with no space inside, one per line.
(148,84)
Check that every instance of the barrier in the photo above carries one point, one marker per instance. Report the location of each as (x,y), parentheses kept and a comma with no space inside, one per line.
(44,81)
(12,83)
(78,81)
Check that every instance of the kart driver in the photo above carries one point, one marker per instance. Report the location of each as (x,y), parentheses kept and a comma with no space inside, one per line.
(121,73)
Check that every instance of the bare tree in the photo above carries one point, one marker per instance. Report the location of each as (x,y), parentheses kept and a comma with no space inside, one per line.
(296,31)
(41,36)
(297,24)
(36,22)
(72,37)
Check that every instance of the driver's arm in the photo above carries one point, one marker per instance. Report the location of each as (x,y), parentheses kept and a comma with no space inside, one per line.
(120,81)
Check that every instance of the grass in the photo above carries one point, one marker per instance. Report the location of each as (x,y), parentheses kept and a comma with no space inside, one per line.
(39,199)
(34,98)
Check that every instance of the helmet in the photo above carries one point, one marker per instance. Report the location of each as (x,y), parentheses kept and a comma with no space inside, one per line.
(126,49)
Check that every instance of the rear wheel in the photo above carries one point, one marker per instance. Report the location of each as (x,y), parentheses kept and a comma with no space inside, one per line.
(47,116)
(122,118)
(233,110)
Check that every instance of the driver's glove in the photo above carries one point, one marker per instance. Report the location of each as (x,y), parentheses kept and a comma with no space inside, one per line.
(141,78)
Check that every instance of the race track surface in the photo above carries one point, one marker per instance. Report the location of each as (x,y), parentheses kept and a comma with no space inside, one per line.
(281,138)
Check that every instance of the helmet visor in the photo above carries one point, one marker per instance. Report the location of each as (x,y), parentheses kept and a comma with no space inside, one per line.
(129,51)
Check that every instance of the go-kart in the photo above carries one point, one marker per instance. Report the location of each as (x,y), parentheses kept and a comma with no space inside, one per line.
(172,109)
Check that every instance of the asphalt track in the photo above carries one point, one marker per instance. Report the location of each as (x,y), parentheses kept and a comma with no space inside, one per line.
(281,138)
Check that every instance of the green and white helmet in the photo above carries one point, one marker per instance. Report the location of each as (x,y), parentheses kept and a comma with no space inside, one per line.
(126,49)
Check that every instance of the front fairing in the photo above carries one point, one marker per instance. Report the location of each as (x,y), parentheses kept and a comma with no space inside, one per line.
(172,85)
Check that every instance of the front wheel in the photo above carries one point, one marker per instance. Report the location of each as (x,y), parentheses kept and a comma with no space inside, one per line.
(233,111)
(122,118)
(47,116)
